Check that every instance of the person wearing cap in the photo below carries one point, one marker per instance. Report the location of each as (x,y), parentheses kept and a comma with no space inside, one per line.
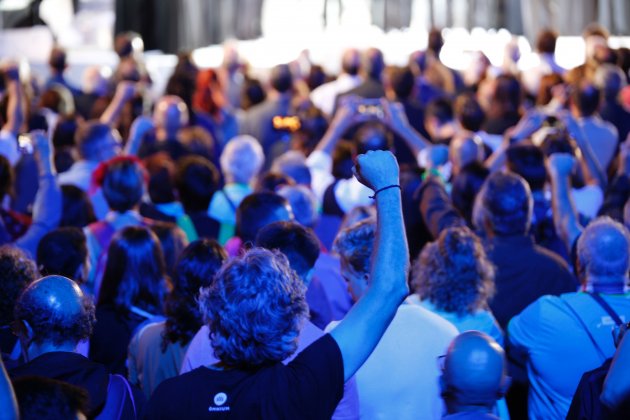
(473,376)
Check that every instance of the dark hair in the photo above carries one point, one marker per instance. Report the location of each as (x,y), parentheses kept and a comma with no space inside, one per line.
(441,109)
(546,41)
(135,272)
(258,210)
(16,272)
(469,113)
(372,135)
(528,161)
(57,59)
(252,93)
(507,203)
(281,78)
(62,252)
(271,181)
(436,41)
(342,160)
(547,82)
(41,398)
(298,243)
(77,207)
(557,142)
(196,181)
(6,177)
(403,82)
(374,63)
(172,239)
(195,269)
(465,187)
(123,185)
(507,94)
(586,97)
(161,171)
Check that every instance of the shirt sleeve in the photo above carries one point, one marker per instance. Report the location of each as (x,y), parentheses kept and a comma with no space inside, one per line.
(9,147)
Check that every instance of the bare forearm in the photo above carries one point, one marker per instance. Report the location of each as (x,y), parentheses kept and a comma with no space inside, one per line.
(617,383)
(15,110)
(413,139)
(565,218)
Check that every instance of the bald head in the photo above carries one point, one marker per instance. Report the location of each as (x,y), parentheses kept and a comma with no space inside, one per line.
(56,311)
(603,251)
(351,61)
(474,371)
(170,115)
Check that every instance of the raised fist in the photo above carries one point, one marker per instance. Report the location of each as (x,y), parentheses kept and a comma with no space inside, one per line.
(377,169)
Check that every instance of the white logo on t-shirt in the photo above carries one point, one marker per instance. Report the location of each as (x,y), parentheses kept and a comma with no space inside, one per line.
(220,399)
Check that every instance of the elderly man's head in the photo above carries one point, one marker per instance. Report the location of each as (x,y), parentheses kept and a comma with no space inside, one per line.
(170,116)
(504,205)
(97,142)
(474,373)
(602,251)
(242,159)
(255,308)
(52,313)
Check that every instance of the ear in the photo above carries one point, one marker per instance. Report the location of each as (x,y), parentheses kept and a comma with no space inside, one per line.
(505,386)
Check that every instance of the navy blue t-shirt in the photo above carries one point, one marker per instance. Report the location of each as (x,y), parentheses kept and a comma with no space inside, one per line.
(309,387)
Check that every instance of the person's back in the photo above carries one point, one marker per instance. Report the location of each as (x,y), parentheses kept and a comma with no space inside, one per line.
(400,379)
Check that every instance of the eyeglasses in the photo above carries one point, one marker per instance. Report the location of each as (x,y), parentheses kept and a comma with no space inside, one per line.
(441,360)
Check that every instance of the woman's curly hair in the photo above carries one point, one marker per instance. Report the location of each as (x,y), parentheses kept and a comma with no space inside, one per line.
(254,309)
(195,269)
(16,272)
(454,272)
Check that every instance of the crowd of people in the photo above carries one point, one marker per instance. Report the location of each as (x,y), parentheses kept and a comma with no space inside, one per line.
(388,242)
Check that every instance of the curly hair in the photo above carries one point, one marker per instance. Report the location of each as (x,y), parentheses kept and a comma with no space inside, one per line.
(16,272)
(254,309)
(54,325)
(354,245)
(195,269)
(454,272)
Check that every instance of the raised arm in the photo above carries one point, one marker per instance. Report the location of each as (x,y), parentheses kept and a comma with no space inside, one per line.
(396,119)
(8,403)
(565,217)
(15,105)
(140,127)
(346,117)
(617,384)
(48,201)
(124,92)
(362,328)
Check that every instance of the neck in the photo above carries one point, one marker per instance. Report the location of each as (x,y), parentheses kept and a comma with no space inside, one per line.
(605,285)
(37,349)
(454,407)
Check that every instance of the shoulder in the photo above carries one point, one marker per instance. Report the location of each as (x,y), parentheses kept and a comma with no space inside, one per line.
(414,314)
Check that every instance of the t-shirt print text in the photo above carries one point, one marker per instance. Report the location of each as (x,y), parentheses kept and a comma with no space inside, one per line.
(219,400)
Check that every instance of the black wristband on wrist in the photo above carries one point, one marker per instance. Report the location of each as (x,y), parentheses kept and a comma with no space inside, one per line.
(385,188)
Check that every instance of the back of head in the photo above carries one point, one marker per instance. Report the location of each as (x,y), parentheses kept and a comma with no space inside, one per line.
(610,80)
(454,273)
(441,109)
(354,245)
(374,63)
(135,271)
(466,184)
(403,82)
(435,41)
(546,41)
(272,181)
(122,180)
(63,252)
(56,311)
(351,62)
(469,113)
(465,150)
(161,185)
(258,210)
(281,78)
(474,373)
(242,159)
(96,141)
(505,205)
(255,308)
(507,93)
(17,271)
(195,269)
(77,207)
(293,164)
(603,252)
(372,135)
(528,161)
(298,243)
(303,203)
(196,180)
(586,98)
(171,114)
(41,398)
(57,59)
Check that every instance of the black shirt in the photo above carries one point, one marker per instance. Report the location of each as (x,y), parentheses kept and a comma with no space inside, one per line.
(309,387)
